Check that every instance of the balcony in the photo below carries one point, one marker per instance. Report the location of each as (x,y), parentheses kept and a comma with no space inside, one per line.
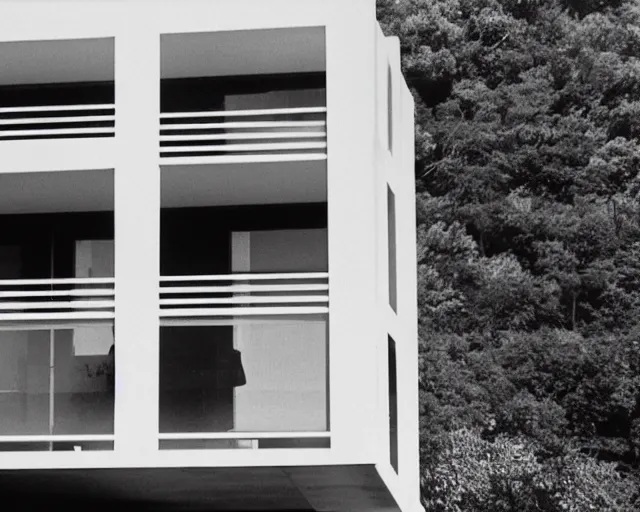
(259,97)
(277,324)
(57,317)
(57,105)
(232,136)
(56,367)
(244,286)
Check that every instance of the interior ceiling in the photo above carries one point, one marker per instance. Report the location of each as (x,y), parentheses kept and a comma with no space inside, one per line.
(182,186)
(73,60)
(238,184)
(49,192)
(242,52)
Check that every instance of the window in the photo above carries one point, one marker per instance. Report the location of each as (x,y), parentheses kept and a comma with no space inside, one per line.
(390,108)
(56,310)
(391,226)
(393,405)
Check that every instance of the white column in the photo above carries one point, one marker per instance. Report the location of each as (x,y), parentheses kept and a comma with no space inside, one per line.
(137,236)
(351,229)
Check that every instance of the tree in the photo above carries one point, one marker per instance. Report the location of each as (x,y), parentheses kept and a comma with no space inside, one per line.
(527,168)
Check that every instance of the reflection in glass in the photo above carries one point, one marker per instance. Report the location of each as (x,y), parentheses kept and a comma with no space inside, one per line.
(285,364)
(56,382)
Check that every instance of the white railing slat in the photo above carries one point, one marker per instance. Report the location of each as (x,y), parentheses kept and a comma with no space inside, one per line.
(243,288)
(244,158)
(245,277)
(242,124)
(60,293)
(57,108)
(57,305)
(56,281)
(240,435)
(243,311)
(244,147)
(232,113)
(78,315)
(55,438)
(290,299)
(56,120)
(246,135)
(58,131)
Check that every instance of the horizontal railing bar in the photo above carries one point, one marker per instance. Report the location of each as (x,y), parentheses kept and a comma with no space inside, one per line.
(246,288)
(241,435)
(243,311)
(66,324)
(77,315)
(244,147)
(58,131)
(55,438)
(245,300)
(57,108)
(242,124)
(98,304)
(231,113)
(244,277)
(64,280)
(242,158)
(245,135)
(229,320)
(56,120)
(59,293)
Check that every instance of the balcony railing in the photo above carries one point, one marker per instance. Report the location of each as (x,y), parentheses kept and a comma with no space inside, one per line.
(245,440)
(57,121)
(27,300)
(244,294)
(245,135)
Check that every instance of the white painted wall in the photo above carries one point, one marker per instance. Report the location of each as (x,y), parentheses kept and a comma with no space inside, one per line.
(396,170)
(358,169)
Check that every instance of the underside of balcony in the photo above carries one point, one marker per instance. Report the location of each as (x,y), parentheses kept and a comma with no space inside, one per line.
(297,488)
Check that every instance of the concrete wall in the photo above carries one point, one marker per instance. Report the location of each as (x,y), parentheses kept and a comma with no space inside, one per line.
(358,171)
(394,169)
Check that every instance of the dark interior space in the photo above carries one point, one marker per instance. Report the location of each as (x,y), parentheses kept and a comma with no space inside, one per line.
(177,94)
(197,376)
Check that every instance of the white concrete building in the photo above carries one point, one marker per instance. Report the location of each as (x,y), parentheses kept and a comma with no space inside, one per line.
(223,190)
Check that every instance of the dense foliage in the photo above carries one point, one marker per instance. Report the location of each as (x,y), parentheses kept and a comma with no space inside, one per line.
(527,170)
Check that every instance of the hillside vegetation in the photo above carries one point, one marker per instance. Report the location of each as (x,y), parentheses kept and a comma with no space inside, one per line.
(527,170)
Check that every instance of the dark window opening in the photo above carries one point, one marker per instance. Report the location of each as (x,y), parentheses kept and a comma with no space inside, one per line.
(393,405)
(390,108)
(391,225)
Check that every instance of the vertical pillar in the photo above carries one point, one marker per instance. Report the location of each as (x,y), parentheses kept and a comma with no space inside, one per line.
(137,236)
(351,228)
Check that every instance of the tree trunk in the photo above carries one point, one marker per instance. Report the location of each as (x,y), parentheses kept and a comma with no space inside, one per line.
(573,311)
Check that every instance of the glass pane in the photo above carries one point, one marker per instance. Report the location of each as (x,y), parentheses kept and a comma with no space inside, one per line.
(57,381)
(252,376)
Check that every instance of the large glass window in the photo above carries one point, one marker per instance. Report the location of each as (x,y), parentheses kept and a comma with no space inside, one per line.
(56,381)
(244,376)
